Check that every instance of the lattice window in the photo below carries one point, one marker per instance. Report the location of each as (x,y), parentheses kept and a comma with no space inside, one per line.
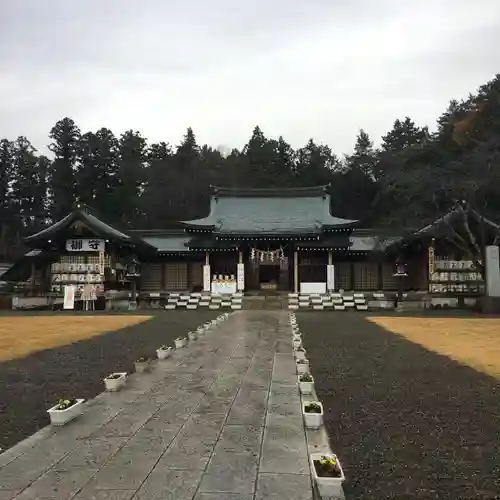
(343,276)
(365,276)
(151,276)
(176,276)
(389,282)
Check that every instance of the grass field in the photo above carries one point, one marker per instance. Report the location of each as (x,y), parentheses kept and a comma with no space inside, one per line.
(20,336)
(471,341)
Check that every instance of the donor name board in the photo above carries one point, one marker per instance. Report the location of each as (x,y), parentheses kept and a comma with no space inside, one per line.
(85,245)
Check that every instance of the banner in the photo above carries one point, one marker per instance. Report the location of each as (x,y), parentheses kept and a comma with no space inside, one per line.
(240,273)
(101,262)
(431,261)
(492,271)
(85,245)
(330,277)
(206,279)
(69,297)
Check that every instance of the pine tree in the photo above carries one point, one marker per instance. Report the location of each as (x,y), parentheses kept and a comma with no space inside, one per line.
(25,182)
(130,176)
(65,137)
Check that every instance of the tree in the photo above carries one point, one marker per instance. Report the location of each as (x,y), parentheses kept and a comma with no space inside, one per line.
(258,155)
(25,183)
(157,197)
(403,135)
(96,175)
(283,163)
(6,167)
(65,137)
(130,176)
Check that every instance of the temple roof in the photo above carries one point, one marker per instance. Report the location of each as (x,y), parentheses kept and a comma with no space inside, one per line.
(261,211)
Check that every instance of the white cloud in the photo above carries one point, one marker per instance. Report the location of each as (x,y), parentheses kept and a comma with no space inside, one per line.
(300,69)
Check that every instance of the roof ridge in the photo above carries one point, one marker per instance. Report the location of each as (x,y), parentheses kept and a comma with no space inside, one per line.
(276,192)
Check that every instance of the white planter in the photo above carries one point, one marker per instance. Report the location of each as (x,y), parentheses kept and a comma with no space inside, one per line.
(114,384)
(300,354)
(302,368)
(60,417)
(179,343)
(192,336)
(312,420)
(164,353)
(142,367)
(306,387)
(297,344)
(327,486)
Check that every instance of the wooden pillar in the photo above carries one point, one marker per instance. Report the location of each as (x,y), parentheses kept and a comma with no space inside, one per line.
(207,259)
(380,277)
(240,257)
(352,276)
(330,258)
(296,271)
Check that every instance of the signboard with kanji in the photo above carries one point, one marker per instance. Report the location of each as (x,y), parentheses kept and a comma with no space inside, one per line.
(85,245)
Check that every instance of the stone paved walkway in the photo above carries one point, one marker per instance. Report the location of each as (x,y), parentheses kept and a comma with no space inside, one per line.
(221,420)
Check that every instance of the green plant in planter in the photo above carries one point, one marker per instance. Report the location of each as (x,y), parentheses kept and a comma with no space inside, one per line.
(302,361)
(306,377)
(327,467)
(301,349)
(164,347)
(312,408)
(179,338)
(64,404)
(113,376)
(143,359)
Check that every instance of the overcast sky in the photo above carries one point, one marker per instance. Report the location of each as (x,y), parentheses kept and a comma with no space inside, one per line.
(300,68)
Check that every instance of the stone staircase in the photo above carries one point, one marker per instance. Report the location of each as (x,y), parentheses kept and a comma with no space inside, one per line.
(265,302)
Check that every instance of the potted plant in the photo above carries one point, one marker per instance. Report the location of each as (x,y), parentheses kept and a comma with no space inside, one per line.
(313,414)
(115,381)
(180,342)
(296,343)
(163,352)
(300,352)
(302,366)
(328,474)
(200,331)
(143,364)
(306,383)
(192,335)
(65,410)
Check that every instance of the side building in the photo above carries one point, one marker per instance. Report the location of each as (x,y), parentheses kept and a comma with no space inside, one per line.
(254,241)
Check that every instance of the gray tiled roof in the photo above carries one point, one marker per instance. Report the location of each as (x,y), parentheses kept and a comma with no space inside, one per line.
(93,222)
(172,243)
(261,214)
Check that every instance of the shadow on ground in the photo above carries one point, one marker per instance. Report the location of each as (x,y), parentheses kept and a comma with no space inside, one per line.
(407,423)
(30,385)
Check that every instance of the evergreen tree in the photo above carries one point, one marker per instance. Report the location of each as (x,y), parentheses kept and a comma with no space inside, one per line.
(65,137)
(130,176)
(25,183)
(96,176)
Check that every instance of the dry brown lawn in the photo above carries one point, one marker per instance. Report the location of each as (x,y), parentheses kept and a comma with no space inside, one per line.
(20,336)
(471,341)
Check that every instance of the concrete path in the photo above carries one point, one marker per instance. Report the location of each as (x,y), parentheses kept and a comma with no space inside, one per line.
(221,420)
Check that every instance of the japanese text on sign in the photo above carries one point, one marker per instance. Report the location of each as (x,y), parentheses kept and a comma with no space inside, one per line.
(85,245)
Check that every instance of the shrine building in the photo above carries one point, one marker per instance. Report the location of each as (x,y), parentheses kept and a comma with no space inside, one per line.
(252,242)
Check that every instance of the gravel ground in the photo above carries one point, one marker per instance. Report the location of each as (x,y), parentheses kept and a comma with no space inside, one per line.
(30,385)
(406,423)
